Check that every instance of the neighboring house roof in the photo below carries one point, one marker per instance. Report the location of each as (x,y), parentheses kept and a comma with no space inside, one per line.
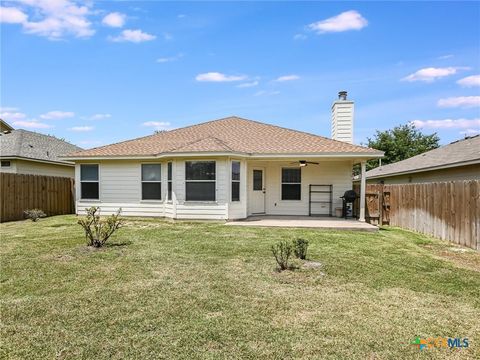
(458,153)
(4,126)
(231,135)
(31,145)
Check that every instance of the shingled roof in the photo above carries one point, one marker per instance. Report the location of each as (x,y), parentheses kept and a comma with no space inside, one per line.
(456,153)
(228,135)
(32,145)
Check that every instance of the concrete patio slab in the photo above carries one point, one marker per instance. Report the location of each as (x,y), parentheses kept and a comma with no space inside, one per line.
(304,222)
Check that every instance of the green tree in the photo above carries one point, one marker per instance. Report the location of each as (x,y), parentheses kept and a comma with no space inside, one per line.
(400,143)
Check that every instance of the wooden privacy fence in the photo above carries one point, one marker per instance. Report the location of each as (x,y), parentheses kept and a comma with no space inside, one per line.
(19,192)
(446,210)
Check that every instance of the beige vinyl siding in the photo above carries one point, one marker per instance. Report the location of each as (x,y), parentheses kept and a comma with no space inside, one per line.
(237,209)
(128,209)
(10,169)
(470,172)
(120,186)
(337,173)
(45,169)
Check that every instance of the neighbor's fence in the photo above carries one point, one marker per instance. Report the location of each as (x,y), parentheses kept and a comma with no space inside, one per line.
(53,195)
(446,210)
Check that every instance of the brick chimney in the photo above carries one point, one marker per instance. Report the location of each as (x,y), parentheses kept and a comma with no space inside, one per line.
(342,118)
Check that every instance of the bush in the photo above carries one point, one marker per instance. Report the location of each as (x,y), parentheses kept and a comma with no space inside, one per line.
(300,248)
(282,252)
(34,214)
(98,230)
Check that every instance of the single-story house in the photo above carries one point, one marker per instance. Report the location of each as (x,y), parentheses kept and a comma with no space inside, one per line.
(223,169)
(28,152)
(459,160)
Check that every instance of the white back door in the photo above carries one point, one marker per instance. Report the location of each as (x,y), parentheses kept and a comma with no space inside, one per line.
(258,191)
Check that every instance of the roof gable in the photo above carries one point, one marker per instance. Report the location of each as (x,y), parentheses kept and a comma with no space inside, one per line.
(232,134)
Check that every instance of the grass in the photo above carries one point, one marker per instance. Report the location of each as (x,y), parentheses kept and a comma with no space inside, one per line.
(204,290)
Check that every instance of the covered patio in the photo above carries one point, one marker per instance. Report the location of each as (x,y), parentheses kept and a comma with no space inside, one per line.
(329,223)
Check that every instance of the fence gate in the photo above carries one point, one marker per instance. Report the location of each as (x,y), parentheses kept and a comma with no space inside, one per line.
(320,200)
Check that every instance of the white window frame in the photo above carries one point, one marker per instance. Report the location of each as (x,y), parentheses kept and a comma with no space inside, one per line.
(90,181)
(236,181)
(207,181)
(170,182)
(281,183)
(151,182)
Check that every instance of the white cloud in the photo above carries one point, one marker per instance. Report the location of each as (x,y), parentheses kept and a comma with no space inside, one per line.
(31,124)
(460,101)
(8,109)
(157,125)
(348,20)
(447,123)
(248,84)
(470,132)
(11,15)
(431,74)
(266,93)
(469,81)
(444,57)
(287,78)
(181,16)
(299,37)
(11,114)
(97,117)
(56,115)
(167,36)
(218,77)
(58,19)
(135,36)
(169,59)
(82,128)
(114,19)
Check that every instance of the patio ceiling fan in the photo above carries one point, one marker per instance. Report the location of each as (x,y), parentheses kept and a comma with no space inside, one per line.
(303,163)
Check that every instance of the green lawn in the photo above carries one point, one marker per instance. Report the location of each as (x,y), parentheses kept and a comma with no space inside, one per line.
(204,290)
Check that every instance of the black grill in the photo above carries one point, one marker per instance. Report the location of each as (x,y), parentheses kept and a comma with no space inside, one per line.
(348,198)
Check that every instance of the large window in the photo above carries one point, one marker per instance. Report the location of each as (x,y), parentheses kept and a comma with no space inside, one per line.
(89,181)
(235,180)
(291,184)
(151,181)
(169,181)
(200,180)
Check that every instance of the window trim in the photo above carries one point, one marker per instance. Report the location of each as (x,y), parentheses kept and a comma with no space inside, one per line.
(153,182)
(281,184)
(169,197)
(207,181)
(91,181)
(236,181)
(7,166)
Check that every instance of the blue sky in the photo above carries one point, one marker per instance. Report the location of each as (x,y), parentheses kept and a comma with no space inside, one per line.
(100,72)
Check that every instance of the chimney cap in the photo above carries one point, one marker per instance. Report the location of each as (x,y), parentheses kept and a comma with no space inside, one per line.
(342,95)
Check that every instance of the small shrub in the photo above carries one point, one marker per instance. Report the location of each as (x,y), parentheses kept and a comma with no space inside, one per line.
(34,214)
(300,248)
(98,230)
(282,252)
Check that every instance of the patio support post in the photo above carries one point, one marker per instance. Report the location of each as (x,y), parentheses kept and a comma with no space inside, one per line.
(363,181)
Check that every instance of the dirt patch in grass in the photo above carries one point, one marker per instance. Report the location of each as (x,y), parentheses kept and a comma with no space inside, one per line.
(463,258)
